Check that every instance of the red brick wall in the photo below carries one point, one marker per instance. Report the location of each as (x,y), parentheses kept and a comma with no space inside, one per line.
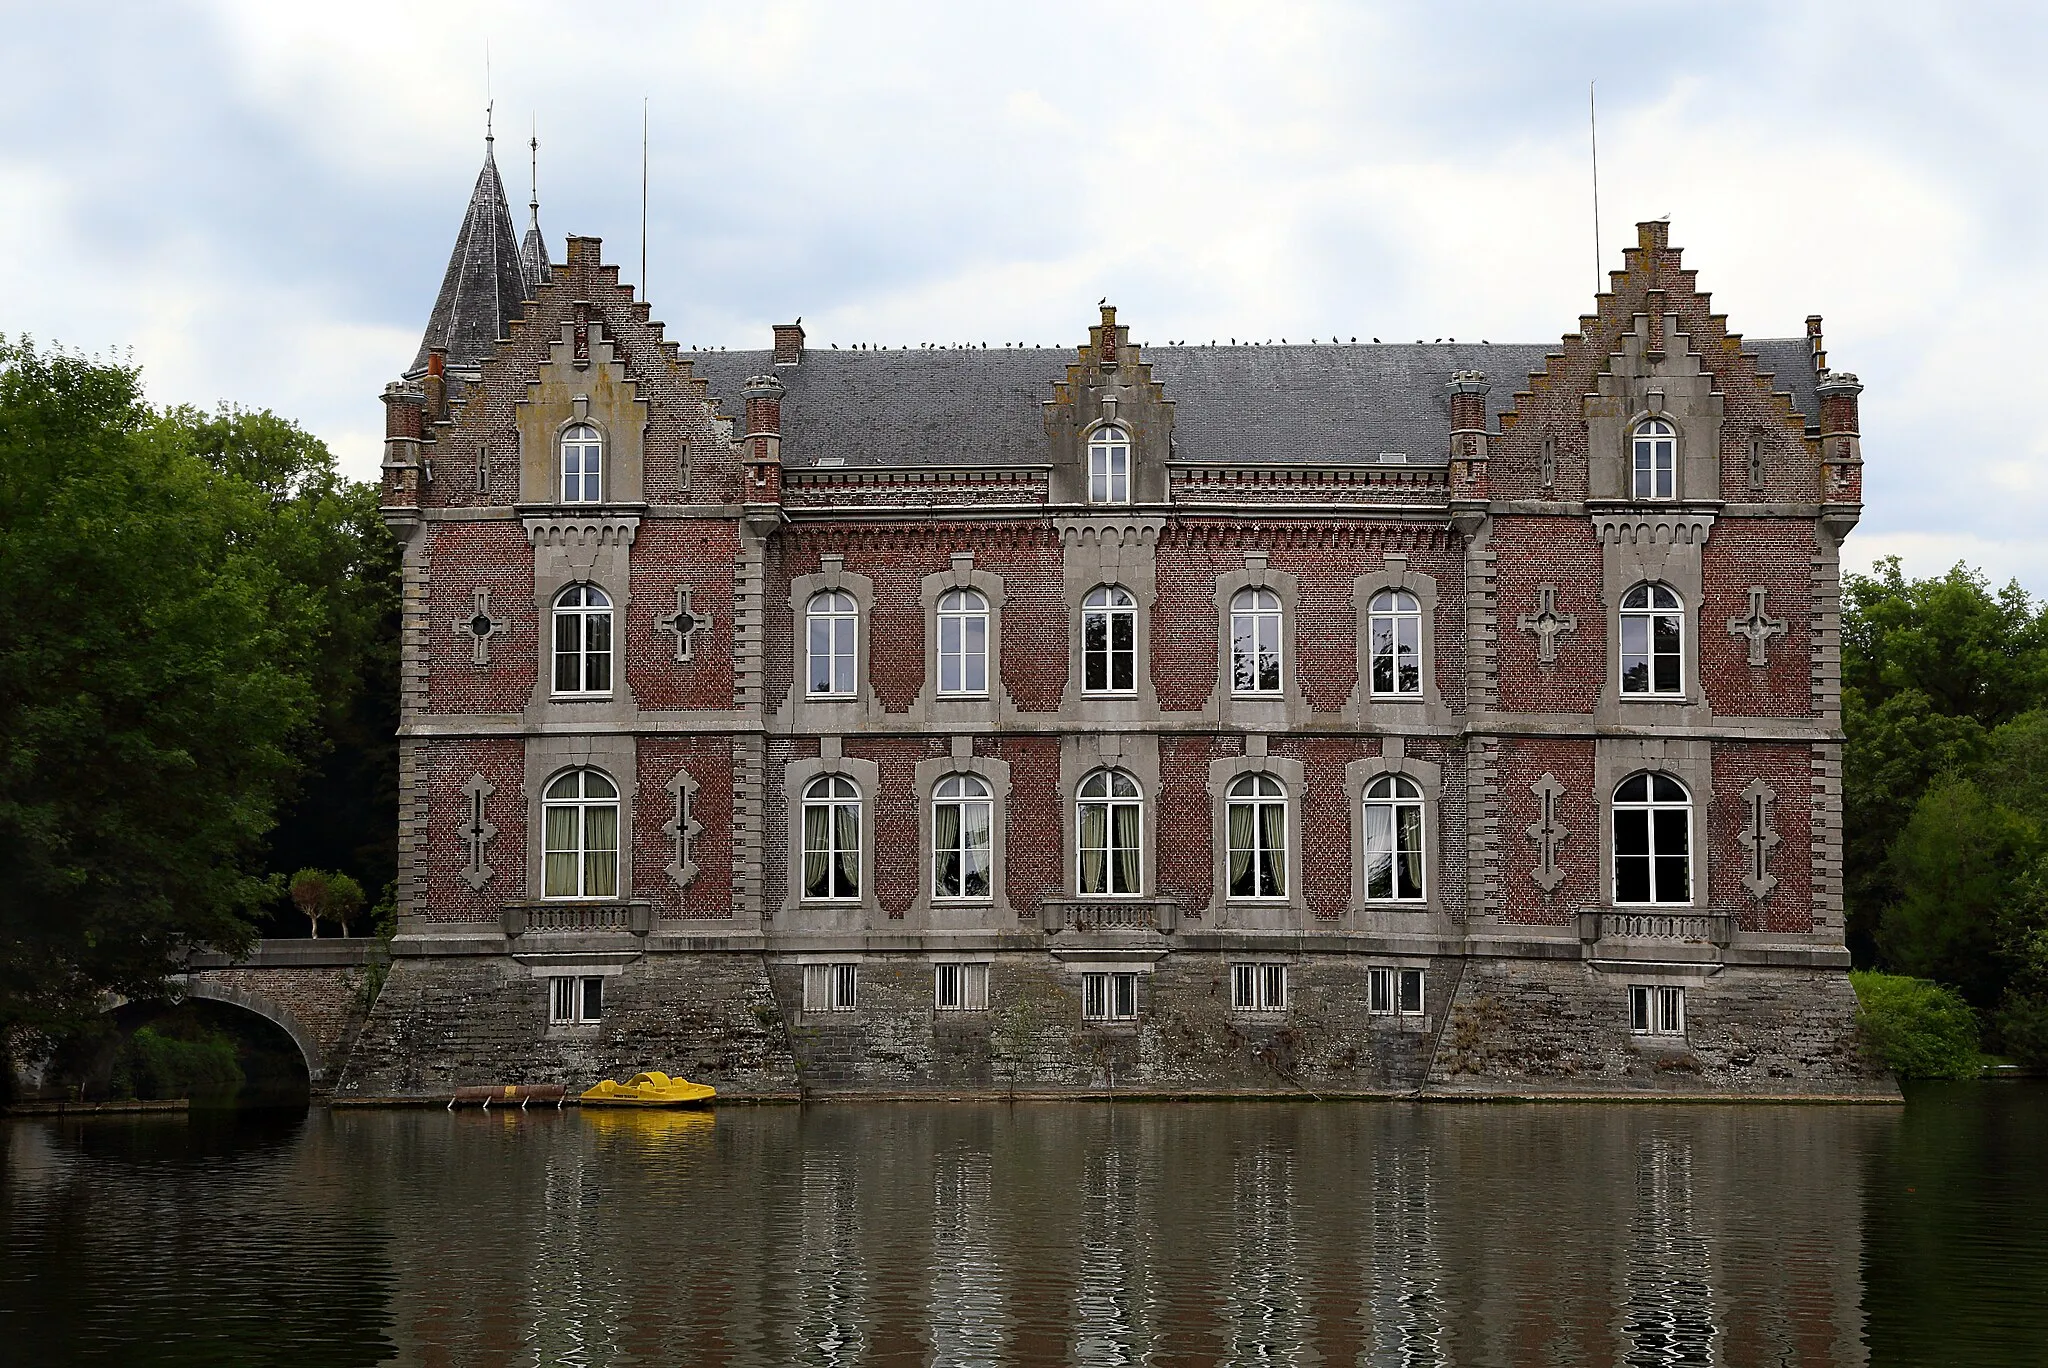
(445,768)
(708,759)
(1183,836)
(1522,762)
(1787,769)
(898,857)
(1033,846)
(667,552)
(462,558)
(1778,554)
(1550,550)
(1324,819)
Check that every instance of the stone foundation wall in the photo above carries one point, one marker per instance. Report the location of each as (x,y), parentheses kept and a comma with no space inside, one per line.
(1492,1026)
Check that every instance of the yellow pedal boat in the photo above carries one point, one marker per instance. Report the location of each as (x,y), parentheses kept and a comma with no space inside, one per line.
(649,1090)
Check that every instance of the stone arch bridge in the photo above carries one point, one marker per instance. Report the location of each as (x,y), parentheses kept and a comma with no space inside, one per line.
(315,991)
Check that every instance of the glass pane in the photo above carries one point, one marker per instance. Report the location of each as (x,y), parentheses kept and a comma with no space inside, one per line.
(975,678)
(1379,851)
(1124,871)
(1665,632)
(1639,1009)
(601,860)
(1123,635)
(842,655)
(1269,653)
(1673,879)
(820,655)
(1411,990)
(1631,878)
(1381,991)
(1382,655)
(1408,870)
(975,849)
(1126,995)
(1631,833)
(593,999)
(1243,653)
(1672,832)
(1408,637)
(1095,651)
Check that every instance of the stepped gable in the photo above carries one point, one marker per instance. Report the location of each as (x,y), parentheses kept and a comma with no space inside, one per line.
(1301,404)
(485,282)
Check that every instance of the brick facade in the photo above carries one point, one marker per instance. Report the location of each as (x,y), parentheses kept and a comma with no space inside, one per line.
(1506,517)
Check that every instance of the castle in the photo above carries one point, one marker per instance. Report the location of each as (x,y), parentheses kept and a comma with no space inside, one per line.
(1321,717)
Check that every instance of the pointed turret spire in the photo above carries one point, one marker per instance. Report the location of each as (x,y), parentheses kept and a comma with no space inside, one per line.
(484,286)
(533,248)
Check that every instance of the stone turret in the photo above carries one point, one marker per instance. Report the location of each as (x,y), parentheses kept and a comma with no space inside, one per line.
(485,283)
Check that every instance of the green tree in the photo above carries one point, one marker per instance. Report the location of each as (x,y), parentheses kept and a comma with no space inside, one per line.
(1957,863)
(308,892)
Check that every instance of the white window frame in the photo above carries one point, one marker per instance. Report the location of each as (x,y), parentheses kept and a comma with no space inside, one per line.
(837,613)
(1109,995)
(581,803)
(584,611)
(1258,987)
(1394,628)
(1257,631)
(575,1000)
(579,464)
(1268,867)
(1388,991)
(1651,806)
(1109,466)
(1643,607)
(1653,461)
(964,792)
(1656,1009)
(1109,790)
(963,666)
(959,987)
(830,793)
(832,987)
(1117,608)
(1386,797)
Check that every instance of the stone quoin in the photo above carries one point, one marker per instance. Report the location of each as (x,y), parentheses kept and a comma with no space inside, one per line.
(1328,717)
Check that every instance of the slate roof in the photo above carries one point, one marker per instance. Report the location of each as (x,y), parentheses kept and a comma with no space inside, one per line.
(484,287)
(1296,405)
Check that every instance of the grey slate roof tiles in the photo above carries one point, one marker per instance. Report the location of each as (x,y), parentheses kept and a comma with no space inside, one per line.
(1295,405)
(484,286)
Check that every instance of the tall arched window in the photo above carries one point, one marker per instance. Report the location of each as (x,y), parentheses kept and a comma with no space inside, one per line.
(1110,809)
(963,825)
(1255,810)
(832,839)
(1394,619)
(1655,467)
(1109,641)
(1652,840)
(833,624)
(1255,642)
(1394,864)
(580,825)
(582,465)
(583,641)
(1109,466)
(1652,641)
(963,643)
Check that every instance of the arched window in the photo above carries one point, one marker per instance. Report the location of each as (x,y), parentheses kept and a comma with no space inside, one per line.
(1109,641)
(1652,641)
(1109,466)
(833,621)
(963,823)
(1652,840)
(1394,620)
(1394,864)
(582,465)
(963,643)
(1656,461)
(583,641)
(1256,812)
(1111,813)
(1255,642)
(832,839)
(580,822)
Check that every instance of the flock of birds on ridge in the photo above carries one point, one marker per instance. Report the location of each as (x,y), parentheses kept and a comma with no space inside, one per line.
(970,346)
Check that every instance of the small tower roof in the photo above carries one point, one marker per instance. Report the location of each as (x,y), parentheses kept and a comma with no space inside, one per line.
(485,283)
(533,248)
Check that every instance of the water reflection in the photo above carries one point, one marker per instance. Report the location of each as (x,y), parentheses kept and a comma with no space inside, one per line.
(1374,1234)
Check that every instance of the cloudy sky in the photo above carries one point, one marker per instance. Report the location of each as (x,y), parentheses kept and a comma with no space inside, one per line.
(256,201)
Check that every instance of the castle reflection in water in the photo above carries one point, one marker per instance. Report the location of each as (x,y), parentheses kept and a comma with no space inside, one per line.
(1375,1234)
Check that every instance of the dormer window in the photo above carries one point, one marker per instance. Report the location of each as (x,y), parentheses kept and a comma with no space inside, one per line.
(1109,466)
(1656,461)
(582,465)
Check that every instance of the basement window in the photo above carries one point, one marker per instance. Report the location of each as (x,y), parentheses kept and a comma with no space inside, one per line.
(1394,992)
(1109,997)
(1656,1011)
(575,1001)
(831,987)
(1258,987)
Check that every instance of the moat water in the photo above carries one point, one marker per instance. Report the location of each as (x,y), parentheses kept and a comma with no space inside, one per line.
(1355,1233)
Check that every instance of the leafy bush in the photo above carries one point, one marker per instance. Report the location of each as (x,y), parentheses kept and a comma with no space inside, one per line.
(165,1066)
(1920,1029)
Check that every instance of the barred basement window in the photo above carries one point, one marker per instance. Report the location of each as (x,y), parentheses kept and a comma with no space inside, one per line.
(1109,997)
(1656,461)
(831,987)
(1255,622)
(1394,992)
(1656,1011)
(1258,987)
(960,987)
(575,1001)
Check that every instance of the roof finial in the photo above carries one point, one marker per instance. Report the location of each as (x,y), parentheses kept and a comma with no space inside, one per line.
(533,147)
(489,106)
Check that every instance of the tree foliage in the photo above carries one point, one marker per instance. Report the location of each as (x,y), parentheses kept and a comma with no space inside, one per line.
(1920,1029)
(194,611)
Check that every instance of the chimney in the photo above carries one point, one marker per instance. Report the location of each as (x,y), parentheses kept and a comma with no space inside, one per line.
(435,384)
(1105,346)
(1841,441)
(583,252)
(1820,349)
(763,441)
(1470,441)
(789,343)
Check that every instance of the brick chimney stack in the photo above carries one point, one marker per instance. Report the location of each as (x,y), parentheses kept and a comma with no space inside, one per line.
(763,395)
(789,343)
(1470,442)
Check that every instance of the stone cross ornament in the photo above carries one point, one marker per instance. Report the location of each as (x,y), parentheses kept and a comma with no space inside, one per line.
(1547,832)
(1758,627)
(684,624)
(1547,624)
(480,627)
